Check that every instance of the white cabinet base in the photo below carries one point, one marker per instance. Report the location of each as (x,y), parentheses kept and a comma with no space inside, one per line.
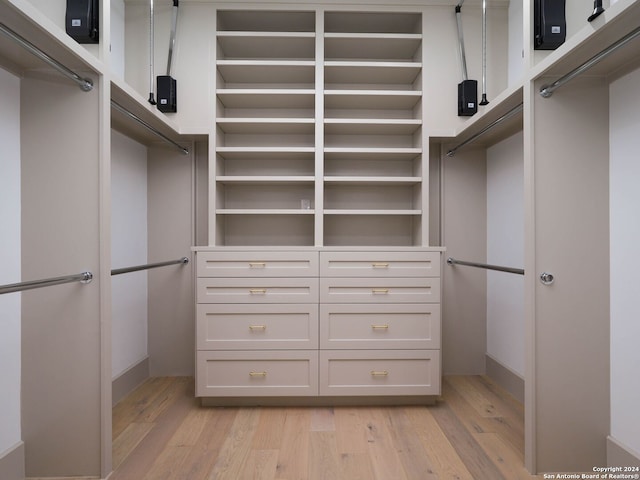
(324,401)
(274,329)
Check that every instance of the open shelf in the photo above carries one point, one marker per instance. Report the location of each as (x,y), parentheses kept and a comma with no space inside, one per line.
(352,211)
(265,21)
(263,126)
(264,180)
(357,126)
(263,152)
(387,46)
(371,153)
(285,166)
(262,98)
(266,45)
(372,22)
(361,73)
(265,229)
(253,72)
(371,229)
(372,99)
(332,180)
(390,197)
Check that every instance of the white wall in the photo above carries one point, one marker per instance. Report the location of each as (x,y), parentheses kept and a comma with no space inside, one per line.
(624,125)
(10,317)
(53,9)
(516,45)
(117,38)
(505,246)
(129,247)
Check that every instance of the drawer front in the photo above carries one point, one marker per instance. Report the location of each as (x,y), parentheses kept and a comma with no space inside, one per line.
(386,372)
(380,264)
(380,290)
(386,326)
(257,373)
(257,264)
(257,290)
(257,327)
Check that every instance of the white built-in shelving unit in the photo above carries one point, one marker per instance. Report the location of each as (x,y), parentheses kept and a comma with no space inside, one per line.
(319,138)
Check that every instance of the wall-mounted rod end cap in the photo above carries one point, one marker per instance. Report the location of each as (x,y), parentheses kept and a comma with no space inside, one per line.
(185,260)
(450,261)
(484,100)
(86,277)
(152,100)
(545,92)
(87,85)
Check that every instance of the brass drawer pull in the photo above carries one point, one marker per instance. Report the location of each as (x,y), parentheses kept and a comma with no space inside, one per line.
(376,291)
(380,265)
(257,264)
(379,373)
(255,291)
(257,374)
(257,327)
(380,327)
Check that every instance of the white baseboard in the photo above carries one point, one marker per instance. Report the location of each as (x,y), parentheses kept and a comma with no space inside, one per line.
(505,377)
(12,463)
(126,382)
(619,455)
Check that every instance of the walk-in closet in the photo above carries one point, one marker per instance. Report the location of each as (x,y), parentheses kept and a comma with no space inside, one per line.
(317,227)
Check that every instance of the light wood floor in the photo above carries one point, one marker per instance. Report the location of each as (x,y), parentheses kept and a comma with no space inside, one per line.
(475,431)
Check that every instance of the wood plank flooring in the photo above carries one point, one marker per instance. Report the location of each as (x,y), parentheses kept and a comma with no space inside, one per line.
(475,431)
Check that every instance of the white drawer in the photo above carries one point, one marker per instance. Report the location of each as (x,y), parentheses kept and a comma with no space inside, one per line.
(379,290)
(257,373)
(387,326)
(257,327)
(257,264)
(257,290)
(380,264)
(384,372)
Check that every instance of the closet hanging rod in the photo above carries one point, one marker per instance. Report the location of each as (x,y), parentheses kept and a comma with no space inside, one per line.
(504,117)
(123,110)
(84,277)
(118,271)
(453,261)
(547,90)
(85,84)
